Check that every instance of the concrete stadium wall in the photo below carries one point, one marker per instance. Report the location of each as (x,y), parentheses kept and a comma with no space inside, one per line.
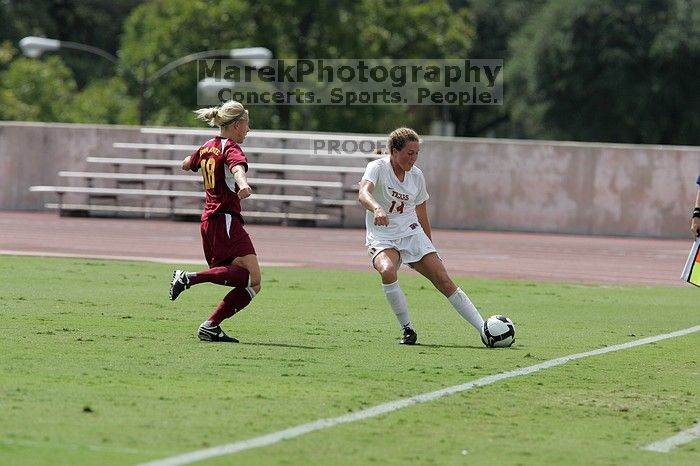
(489,184)
(581,188)
(34,153)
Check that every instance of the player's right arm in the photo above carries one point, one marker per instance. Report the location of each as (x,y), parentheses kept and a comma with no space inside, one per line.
(368,202)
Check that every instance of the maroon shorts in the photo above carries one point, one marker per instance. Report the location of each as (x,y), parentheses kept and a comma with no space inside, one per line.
(224,239)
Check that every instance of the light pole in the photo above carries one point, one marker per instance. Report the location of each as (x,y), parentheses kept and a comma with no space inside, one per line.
(33,47)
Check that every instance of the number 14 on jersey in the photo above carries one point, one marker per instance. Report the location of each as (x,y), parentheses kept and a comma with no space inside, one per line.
(396,207)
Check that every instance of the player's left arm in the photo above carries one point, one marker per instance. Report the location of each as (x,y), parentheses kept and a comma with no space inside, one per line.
(244,189)
(422,213)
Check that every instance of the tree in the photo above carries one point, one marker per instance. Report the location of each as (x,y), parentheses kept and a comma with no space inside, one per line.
(410,29)
(104,102)
(407,29)
(93,22)
(675,53)
(38,90)
(160,31)
(601,70)
(68,85)
(495,23)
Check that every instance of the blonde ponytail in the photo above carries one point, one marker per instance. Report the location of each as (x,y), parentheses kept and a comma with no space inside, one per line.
(207,114)
(228,113)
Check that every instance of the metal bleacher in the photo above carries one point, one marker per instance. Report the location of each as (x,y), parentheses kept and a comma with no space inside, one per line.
(145,180)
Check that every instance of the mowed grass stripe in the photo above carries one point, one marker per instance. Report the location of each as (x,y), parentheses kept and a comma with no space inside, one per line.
(131,376)
(384,408)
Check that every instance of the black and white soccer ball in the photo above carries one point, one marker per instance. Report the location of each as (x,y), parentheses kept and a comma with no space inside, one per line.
(498,332)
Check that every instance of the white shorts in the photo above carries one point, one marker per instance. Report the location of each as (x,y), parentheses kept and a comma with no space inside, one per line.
(411,248)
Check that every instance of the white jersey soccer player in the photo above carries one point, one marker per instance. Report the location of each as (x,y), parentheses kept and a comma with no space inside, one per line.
(393,192)
(398,199)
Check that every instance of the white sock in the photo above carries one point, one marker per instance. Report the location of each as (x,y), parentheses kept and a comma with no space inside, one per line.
(397,301)
(466,309)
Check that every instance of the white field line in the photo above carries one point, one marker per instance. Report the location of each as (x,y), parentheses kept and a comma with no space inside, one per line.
(681,438)
(297,431)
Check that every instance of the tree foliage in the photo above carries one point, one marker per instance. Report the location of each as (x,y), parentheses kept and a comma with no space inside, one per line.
(71,77)
(608,71)
(597,70)
(158,32)
(495,23)
(94,22)
(36,90)
(105,101)
(290,29)
(409,29)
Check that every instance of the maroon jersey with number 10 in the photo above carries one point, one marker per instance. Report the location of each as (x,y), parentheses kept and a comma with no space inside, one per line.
(215,159)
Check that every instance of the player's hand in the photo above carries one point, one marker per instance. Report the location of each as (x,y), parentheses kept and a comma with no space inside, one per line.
(380,217)
(244,192)
(695,226)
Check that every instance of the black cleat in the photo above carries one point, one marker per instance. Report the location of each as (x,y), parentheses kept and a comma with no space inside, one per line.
(214,334)
(409,336)
(179,284)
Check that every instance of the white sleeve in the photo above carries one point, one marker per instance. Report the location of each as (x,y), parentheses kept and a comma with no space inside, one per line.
(372,172)
(422,195)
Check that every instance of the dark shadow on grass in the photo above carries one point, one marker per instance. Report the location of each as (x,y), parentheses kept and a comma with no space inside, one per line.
(284,345)
(451,346)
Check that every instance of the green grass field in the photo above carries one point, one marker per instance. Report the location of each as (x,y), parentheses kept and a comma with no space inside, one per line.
(98,367)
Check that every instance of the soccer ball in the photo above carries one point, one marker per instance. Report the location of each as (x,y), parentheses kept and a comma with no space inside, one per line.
(498,332)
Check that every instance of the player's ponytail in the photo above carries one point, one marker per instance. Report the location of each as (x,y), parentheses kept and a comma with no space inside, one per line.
(207,114)
(228,113)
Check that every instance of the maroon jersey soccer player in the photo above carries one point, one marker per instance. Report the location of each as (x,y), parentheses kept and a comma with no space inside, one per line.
(227,246)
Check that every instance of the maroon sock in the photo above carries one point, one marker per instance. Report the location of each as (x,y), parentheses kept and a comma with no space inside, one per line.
(234,301)
(229,275)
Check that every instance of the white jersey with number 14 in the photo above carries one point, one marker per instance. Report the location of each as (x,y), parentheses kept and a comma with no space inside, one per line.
(398,199)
